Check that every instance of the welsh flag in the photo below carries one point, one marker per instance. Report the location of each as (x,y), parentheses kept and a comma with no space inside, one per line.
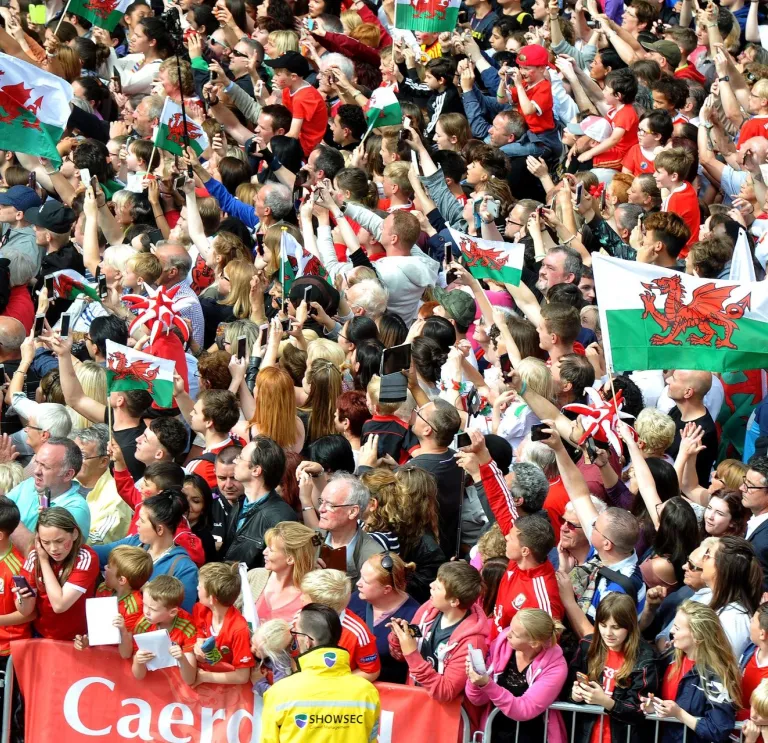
(132,370)
(34,108)
(431,16)
(485,259)
(169,135)
(384,108)
(291,249)
(101,13)
(70,284)
(656,318)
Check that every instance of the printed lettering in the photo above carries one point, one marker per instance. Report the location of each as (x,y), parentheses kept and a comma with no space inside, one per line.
(72,702)
(166,720)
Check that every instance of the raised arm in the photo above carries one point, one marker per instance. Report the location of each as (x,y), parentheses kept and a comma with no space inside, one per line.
(70,385)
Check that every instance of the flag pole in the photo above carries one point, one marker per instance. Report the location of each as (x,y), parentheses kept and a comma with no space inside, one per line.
(109,417)
(283,258)
(61,18)
(179,44)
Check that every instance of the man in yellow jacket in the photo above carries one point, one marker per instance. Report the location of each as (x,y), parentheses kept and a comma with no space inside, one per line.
(323,702)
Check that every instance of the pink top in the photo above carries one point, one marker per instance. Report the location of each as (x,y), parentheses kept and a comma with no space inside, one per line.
(265,612)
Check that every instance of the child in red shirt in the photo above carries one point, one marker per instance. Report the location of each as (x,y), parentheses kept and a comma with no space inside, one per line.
(532,92)
(673,168)
(391,430)
(653,133)
(755,668)
(15,626)
(216,617)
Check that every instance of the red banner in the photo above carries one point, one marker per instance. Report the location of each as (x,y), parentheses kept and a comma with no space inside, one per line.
(77,696)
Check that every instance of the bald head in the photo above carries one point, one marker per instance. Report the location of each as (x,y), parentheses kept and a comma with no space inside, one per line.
(758,146)
(699,381)
(176,262)
(686,385)
(11,336)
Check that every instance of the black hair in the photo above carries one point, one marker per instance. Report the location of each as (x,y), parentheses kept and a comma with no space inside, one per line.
(624,83)
(333,453)
(673,89)
(93,155)
(156,30)
(610,58)
(281,13)
(108,327)
(368,355)
(452,164)
(659,122)
(330,160)
(441,330)
(288,151)
(280,115)
(360,329)
(392,329)
(633,396)
(91,55)
(203,16)
(566,294)
(136,402)
(10,516)
(202,487)
(321,623)
(234,172)
(428,357)
(134,230)
(141,209)
(166,509)
(239,14)
(678,534)
(239,230)
(443,68)
(172,435)
(760,465)
(94,90)
(271,458)
(353,118)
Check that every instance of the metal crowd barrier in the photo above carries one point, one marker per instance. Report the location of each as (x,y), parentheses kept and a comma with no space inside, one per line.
(484,736)
(6,684)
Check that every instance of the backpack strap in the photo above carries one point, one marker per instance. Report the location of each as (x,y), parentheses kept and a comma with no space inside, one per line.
(174,564)
(622,580)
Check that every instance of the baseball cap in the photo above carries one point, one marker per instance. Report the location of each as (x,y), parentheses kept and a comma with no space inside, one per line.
(291,61)
(594,127)
(533,55)
(52,215)
(20,198)
(458,304)
(668,49)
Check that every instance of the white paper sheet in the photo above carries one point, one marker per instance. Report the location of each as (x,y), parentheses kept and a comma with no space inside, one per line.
(135,182)
(100,613)
(159,643)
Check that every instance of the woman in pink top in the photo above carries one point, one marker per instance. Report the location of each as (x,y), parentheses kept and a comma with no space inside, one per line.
(288,557)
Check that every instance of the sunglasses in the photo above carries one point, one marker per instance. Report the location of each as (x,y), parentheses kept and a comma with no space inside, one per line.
(693,568)
(571,525)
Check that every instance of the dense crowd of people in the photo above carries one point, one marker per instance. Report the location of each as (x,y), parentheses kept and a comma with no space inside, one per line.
(443,522)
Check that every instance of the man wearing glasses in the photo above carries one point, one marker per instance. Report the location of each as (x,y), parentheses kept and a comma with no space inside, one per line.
(755,498)
(324,701)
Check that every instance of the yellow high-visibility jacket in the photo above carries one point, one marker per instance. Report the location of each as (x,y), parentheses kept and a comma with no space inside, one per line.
(322,703)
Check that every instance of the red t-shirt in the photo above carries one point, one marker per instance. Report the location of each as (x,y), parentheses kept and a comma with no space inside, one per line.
(21,307)
(202,275)
(540,94)
(233,641)
(636,161)
(672,678)
(625,118)
(83,579)
(750,680)
(182,631)
(307,104)
(757,126)
(684,202)
(206,469)
(10,565)
(613,662)
(679,118)
(554,504)
(689,72)
(361,644)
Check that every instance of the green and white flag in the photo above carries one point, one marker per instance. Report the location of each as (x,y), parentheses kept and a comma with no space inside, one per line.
(133,370)
(169,135)
(34,108)
(485,259)
(384,108)
(69,284)
(657,318)
(290,248)
(101,13)
(431,16)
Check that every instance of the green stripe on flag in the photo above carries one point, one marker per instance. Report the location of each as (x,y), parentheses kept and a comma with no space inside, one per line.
(507,275)
(102,13)
(433,19)
(174,142)
(31,136)
(162,390)
(630,337)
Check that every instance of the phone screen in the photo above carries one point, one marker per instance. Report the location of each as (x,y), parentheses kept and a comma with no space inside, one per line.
(64,328)
(39,325)
(461,440)
(102,285)
(287,322)
(49,286)
(537,432)
(506,364)
(448,253)
(396,359)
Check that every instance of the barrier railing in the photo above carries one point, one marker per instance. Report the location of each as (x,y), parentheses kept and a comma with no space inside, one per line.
(484,736)
(6,684)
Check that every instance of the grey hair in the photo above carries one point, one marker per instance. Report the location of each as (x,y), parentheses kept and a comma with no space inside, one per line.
(572,262)
(371,296)
(332,23)
(97,434)
(279,199)
(73,457)
(23,266)
(626,215)
(338,60)
(358,495)
(541,455)
(154,107)
(13,336)
(54,418)
(622,529)
(530,484)
(600,505)
(182,261)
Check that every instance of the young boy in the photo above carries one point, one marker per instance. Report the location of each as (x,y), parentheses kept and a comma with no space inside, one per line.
(653,132)
(332,588)
(450,621)
(757,126)
(397,188)
(162,598)
(672,170)
(670,94)
(437,91)
(13,625)
(215,616)
(558,329)
(391,430)
(754,660)
(141,269)
(127,570)
(757,725)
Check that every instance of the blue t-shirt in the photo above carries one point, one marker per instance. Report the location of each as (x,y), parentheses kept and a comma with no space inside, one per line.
(27,499)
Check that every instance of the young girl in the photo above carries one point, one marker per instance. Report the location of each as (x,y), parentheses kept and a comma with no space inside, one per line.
(271,646)
(63,572)
(620,667)
(200,514)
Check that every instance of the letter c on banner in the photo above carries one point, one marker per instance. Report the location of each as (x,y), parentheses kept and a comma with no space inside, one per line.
(72,702)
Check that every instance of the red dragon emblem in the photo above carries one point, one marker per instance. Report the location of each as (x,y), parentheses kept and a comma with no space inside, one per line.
(476,256)
(176,130)
(705,311)
(13,104)
(142,370)
(430,9)
(101,8)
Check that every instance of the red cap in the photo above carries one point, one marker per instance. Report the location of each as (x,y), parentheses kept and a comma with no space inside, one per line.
(533,55)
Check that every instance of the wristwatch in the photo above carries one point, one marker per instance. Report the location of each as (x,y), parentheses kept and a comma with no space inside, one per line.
(724,79)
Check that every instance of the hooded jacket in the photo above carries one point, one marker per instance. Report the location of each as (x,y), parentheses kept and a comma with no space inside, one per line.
(324,702)
(449,684)
(545,676)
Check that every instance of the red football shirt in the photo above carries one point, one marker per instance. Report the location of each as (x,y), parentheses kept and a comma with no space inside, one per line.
(684,202)
(750,680)
(182,631)
(689,72)
(540,94)
(206,469)
(757,126)
(307,104)
(131,606)
(626,118)
(361,644)
(613,663)
(233,640)
(83,579)
(637,162)
(10,565)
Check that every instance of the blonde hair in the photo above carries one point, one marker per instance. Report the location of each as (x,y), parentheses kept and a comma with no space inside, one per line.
(327,350)
(714,654)
(284,41)
(246,192)
(350,19)
(540,627)
(274,234)
(536,375)
(759,698)
(397,172)
(93,379)
(239,298)
(132,563)
(11,474)
(330,587)
(146,266)
(117,256)
(731,473)
(275,638)
(374,390)
(221,580)
(492,544)
(655,429)
(299,542)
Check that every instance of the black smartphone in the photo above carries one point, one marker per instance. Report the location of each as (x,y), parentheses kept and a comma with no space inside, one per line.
(155,236)
(49,286)
(602,201)
(39,325)
(102,286)
(241,347)
(579,193)
(21,583)
(415,630)
(461,440)
(287,322)
(32,180)
(506,365)
(448,253)
(263,334)
(178,184)
(118,83)
(473,403)
(2,373)
(64,327)
(589,445)
(396,359)
(537,432)
(260,243)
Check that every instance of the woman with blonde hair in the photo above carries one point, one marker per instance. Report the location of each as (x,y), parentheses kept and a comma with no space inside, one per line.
(11,474)
(526,672)
(234,285)
(380,596)
(93,379)
(701,687)
(322,383)
(280,42)
(452,132)
(289,555)
(350,20)
(655,432)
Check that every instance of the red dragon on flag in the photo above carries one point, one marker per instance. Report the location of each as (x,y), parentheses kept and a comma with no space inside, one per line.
(101,8)
(143,370)
(176,130)
(431,9)
(13,102)
(477,256)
